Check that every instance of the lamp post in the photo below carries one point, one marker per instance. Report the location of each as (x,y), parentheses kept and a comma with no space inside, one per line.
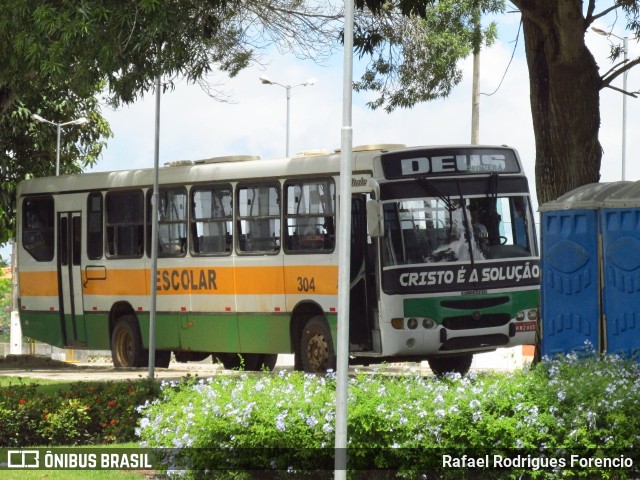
(267,81)
(77,121)
(625,51)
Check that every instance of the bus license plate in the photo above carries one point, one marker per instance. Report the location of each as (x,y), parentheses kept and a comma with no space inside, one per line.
(526,327)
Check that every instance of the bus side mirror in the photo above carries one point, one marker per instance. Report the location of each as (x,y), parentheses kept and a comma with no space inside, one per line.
(374,219)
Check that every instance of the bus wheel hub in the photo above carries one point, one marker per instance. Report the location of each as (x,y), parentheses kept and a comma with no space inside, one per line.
(317,351)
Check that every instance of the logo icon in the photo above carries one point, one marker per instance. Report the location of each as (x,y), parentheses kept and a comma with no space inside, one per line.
(23,459)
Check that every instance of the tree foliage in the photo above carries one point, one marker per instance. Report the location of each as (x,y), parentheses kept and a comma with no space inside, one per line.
(565,80)
(415,47)
(57,58)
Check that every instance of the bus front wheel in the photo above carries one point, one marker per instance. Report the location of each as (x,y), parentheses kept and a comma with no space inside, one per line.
(460,364)
(316,346)
(126,344)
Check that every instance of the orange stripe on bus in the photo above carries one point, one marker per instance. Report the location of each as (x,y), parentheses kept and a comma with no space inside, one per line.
(271,280)
(38,284)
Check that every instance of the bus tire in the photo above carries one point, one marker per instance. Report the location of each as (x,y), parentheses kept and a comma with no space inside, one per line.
(316,346)
(126,344)
(459,364)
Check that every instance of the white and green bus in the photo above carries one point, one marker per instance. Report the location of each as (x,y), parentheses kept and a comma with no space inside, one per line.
(444,260)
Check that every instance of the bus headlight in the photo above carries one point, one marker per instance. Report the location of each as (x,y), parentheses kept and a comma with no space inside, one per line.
(429,323)
(412,324)
(397,323)
(520,315)
(532,314)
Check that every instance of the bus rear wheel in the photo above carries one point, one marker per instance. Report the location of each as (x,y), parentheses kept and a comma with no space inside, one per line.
(126,344)
(316,346)
(459,364)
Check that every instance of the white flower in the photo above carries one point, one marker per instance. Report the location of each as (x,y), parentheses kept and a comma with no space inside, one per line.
(311,421)
(280,421)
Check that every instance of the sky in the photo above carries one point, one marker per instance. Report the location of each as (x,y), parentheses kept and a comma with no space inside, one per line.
(195,126)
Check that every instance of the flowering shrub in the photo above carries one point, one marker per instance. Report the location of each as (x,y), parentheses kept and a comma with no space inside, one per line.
(81,413)
(286,422)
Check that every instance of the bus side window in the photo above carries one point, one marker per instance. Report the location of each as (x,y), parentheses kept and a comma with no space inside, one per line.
(172,221)
(125,223)
(259,218)
(37,227)
(211,220)
(95,229)
(310,216)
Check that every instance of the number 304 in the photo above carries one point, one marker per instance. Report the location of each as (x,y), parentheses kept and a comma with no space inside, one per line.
(306,284)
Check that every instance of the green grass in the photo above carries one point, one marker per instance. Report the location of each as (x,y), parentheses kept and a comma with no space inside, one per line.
(43,386)
(73,475)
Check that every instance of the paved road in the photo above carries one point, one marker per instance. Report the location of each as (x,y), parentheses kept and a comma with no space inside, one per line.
(46,368)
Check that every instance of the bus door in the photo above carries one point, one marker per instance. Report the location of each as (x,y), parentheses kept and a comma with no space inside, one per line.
(70,278)
(363,292)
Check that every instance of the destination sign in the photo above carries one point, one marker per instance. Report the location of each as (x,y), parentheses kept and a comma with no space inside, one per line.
(450,161)
(462,277)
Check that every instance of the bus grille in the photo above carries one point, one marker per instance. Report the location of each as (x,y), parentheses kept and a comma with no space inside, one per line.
(479,341)
(466,322)
(475,304)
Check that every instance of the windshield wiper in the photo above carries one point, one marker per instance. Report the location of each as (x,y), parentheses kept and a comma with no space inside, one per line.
(434,192)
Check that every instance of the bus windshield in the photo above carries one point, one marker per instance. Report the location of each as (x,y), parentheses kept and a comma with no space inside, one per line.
(432,230)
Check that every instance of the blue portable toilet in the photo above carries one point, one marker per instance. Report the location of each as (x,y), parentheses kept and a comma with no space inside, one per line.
(570,287)
(620,229)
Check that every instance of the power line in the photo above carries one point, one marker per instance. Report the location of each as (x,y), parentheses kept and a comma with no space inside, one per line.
(508,65)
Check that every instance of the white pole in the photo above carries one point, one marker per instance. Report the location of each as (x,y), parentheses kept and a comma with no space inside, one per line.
(154,238)
(475,101)
(288,88)
(624,109)
(58,149)
(15,329)
(344,250)
(475,93)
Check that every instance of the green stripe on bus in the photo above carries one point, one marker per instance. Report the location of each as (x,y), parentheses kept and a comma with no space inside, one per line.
(432,308)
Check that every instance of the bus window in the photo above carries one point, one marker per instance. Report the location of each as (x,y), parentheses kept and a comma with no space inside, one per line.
(125,224)
(94,226)
(259,218)
(310,216)
(211,220)
(172,222)
(37,228)
(428,231)
(510,228)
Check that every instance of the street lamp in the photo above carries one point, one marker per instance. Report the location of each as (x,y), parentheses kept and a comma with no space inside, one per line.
(625,51)
(267,81)
(77,121)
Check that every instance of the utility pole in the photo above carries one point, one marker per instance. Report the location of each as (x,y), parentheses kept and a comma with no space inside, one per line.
(475,94)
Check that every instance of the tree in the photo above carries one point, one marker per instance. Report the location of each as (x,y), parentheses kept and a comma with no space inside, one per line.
(565,84)
(564,80)
(415,47)
(57,58)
